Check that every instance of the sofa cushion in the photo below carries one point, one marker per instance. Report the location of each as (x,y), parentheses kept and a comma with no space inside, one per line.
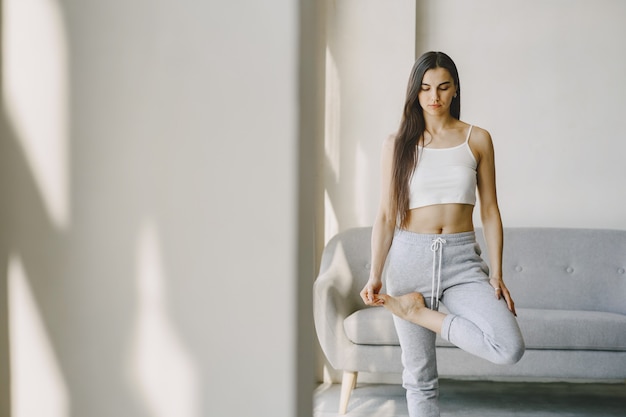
(542,329)
(371,326)
(374,326)
(567,329)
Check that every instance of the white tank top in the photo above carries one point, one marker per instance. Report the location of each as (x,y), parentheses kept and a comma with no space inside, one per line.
(444,176)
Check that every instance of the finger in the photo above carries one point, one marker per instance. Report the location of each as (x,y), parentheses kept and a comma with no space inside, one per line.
(509,303)
(498,292)
(380,299)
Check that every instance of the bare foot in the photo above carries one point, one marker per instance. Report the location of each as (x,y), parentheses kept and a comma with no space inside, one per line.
(407,306)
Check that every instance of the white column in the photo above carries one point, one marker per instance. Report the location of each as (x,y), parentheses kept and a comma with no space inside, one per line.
(169,280)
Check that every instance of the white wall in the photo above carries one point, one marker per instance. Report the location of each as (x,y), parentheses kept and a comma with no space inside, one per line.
(370,52)
(544,77)
(153,260)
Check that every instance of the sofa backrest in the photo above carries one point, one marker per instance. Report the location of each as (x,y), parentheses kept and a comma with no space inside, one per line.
(549,268)
(565,269)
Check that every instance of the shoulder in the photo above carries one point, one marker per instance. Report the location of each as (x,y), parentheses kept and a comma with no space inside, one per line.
(390,141)
(480,135)
(481,145)
(480,140)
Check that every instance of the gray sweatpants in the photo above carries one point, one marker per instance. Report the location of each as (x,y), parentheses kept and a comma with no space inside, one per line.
(449,268)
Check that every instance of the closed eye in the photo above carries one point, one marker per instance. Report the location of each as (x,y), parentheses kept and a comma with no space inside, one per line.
(443,86)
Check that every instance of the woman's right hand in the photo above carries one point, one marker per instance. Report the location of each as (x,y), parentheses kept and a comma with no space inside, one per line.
(369,293)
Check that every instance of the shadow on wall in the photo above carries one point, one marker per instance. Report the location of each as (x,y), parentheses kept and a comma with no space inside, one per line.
(76,332)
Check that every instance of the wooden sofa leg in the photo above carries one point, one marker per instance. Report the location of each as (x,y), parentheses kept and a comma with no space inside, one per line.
(348,383)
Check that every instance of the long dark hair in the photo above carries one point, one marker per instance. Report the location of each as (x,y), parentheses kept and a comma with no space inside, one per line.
(412,128)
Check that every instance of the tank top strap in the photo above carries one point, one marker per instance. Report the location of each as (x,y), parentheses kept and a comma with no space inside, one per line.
(469,132)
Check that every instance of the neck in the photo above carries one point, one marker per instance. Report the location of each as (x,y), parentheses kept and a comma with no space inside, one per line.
(435,124)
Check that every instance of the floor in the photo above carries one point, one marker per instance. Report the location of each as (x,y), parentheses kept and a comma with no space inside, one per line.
(483,399)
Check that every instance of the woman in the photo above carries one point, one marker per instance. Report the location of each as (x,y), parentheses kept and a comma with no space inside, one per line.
(431,170)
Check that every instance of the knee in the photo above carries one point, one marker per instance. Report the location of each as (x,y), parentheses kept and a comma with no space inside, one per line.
(510,353)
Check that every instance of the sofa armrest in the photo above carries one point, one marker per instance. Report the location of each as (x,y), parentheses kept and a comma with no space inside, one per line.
(332,303)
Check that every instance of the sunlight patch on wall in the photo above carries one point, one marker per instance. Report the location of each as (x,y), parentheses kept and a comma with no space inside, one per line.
(332,134)
(37,385)
(161,370)
(331,224)
(35,88)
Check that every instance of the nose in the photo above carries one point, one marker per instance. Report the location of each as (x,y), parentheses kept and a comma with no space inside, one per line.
(434,95)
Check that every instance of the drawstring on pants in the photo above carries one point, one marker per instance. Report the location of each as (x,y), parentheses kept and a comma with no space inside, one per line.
(436,247)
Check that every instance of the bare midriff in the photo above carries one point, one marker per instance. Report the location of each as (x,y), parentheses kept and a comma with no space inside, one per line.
(441,219)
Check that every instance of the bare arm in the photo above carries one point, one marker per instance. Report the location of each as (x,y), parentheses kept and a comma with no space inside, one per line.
(384,226)
(490,213)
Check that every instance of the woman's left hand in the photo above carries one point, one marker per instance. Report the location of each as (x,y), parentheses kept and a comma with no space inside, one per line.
(502,291)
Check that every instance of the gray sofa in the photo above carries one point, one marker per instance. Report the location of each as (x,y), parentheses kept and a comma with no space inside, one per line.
(569,286)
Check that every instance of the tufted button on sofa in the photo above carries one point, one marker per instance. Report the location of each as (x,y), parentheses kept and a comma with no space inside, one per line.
(569,288)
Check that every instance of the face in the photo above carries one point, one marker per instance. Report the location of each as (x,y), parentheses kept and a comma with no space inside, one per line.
(437,91)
